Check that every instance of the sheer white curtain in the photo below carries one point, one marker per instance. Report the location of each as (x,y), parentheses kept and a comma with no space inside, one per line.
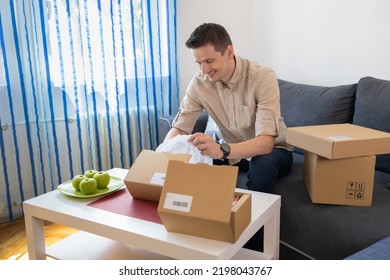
(82,84)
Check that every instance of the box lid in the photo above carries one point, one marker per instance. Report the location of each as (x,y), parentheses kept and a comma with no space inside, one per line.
(339,140)
(199,190)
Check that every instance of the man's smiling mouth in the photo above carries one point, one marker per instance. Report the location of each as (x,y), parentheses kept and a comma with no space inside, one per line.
(211,74)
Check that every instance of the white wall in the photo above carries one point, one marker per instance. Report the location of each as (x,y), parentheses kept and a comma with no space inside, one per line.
(323,42)
(232,14)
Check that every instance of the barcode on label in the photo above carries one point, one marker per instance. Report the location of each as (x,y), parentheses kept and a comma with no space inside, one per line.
(178,202)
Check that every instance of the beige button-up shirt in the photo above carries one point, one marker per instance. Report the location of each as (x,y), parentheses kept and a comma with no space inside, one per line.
(247,107)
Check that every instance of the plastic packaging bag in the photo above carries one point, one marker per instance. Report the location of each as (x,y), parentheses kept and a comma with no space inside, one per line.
(180,145)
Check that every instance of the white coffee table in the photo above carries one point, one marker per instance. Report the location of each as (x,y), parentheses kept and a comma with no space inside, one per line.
(107,235)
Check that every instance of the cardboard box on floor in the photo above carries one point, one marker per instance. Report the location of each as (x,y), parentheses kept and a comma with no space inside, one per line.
(339,140)
(346,181)
(197,199)
(145,178)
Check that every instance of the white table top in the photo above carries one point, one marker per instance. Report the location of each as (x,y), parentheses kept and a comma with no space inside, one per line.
(59,208)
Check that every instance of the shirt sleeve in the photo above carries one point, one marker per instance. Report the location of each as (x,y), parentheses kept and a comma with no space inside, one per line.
(190,109)
(268,116)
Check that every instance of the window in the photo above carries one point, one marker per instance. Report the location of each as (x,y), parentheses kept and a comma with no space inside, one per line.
(101,46)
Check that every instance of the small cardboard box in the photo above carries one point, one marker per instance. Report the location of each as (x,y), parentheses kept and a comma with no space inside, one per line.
(197,199)
(146,176)
(346,181)
(339,140)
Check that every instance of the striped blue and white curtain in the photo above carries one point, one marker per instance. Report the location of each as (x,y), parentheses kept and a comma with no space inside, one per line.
(82,85)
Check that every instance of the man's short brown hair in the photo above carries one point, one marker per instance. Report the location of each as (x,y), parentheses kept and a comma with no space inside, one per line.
(209,33)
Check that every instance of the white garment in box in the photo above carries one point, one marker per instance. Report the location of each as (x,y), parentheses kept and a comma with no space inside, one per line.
(180,145)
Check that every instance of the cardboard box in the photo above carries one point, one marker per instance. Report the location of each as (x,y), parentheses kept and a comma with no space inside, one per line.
(346,181)
(197,200)
(339,140)
(146,176)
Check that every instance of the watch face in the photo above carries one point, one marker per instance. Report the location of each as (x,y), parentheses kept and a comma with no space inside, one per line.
(225,149)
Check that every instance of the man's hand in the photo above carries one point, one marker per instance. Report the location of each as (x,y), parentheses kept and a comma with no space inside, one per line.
(259,145)
(206,145)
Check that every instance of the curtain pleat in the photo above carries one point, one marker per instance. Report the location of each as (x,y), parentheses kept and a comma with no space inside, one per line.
(82,85)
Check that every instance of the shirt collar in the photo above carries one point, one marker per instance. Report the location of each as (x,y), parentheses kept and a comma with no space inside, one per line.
(236,74)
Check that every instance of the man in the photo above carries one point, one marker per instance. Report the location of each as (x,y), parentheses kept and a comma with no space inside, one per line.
(242,97)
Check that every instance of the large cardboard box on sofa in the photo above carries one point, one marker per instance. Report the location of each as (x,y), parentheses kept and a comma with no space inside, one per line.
(339,140)
(346,181)
(146,176)
(197,199)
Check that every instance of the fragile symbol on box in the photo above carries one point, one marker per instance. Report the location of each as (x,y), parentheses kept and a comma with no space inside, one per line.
(355,190)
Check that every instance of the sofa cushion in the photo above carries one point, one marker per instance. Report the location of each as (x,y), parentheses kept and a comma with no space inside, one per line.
(378,251)
(303,104)
(372,110)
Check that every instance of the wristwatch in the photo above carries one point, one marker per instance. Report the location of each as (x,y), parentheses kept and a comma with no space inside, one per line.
(225,149)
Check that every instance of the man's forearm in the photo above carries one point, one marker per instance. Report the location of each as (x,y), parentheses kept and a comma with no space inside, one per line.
(173,132)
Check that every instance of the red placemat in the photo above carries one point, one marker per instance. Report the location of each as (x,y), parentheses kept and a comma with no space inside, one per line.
(121,202)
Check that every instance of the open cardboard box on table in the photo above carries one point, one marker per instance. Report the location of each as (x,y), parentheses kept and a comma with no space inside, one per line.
(197,199)
(339,161)
(146,176)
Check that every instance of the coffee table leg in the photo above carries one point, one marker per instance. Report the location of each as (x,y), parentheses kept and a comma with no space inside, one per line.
(272,236)
(35,238)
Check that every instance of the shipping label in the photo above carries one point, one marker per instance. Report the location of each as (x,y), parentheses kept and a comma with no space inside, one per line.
(178,202)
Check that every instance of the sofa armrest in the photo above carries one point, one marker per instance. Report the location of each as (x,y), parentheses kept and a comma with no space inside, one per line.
(165,124)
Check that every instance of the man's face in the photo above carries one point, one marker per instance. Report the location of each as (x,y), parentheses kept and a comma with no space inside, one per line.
(213,64)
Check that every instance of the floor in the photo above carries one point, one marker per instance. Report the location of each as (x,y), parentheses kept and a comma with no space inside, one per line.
(13,245)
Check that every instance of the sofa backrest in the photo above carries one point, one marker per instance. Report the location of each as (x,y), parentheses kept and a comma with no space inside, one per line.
(303,105)
(372,110)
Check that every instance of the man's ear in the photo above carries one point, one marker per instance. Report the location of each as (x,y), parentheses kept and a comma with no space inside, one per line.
(230,51)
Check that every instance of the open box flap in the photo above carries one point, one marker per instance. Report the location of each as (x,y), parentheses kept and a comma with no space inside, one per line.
(199,190)
(149,162)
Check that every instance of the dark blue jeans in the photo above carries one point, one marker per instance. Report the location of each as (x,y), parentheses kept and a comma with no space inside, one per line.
(262,173)
(264,170)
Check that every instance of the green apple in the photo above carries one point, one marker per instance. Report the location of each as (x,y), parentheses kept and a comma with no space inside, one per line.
(90,173)
(76,181)
(88,186)
(102,179)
